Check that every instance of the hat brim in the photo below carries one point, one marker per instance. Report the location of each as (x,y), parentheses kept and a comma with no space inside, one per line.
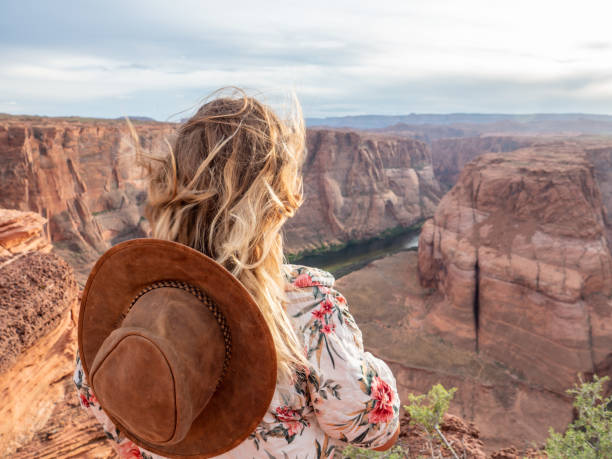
(246,391)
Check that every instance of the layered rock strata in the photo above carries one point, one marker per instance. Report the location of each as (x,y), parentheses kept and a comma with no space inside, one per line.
(38,307)
(599,153)
(451,154)
(357,185)
(81,175)
(515,294)
(519,249)
(22,232)
(397,317)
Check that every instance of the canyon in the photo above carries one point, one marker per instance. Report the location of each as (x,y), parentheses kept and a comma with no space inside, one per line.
(81,176)
(507,298)
(357,185)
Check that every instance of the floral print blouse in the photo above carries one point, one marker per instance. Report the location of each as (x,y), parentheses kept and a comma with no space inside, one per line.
(347,396)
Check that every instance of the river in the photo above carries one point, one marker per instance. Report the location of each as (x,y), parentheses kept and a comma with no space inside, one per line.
(356,255)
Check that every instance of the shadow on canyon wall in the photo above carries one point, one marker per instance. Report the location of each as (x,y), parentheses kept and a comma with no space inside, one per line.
(507,297)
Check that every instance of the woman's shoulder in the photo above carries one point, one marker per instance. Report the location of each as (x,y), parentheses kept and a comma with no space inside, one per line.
(307,276)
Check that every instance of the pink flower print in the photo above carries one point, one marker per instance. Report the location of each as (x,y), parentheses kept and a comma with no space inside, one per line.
(84,401)
(289,418)
(285,414)
(383,394)
(327,306)
(341,299)
(292,427)
(128,450)
(380,413)
(303,280)
(318,314)
(328,328)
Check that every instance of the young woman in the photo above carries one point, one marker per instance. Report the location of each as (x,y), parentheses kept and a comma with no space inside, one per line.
(231,180)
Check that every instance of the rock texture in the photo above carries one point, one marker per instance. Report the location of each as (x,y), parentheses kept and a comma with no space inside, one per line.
(512,296)
(22,232)
(519,249)
(38,305)
(357,185)
(599,153)
(449,155)
(507,410)
(80,175)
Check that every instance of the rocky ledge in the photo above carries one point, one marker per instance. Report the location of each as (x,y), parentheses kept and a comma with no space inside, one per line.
(38,307)
(508,298)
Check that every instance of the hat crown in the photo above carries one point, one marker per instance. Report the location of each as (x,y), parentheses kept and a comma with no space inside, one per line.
(157,371)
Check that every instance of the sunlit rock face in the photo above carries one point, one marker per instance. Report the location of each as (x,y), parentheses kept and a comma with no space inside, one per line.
(22,232)
(357,185)
(508,298)
(518,248)
(81,175)
(449,155)
(39,413)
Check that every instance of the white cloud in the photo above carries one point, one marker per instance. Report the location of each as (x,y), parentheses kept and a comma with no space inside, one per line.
(338,55)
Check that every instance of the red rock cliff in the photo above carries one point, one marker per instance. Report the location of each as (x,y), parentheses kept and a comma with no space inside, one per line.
(450,155)
(359,184)
(81,176)
(519,251)
(39,413)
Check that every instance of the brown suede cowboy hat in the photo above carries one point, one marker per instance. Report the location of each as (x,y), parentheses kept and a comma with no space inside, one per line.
(175,349)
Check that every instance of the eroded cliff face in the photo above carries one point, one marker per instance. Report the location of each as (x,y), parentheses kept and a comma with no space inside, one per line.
(450,155)
(357,185)
(600,155)
(518,258)
(39,414)
(80,175)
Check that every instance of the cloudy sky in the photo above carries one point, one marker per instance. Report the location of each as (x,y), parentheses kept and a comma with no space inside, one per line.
(157,58)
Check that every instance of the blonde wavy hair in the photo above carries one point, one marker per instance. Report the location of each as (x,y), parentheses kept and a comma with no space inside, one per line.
(231,179)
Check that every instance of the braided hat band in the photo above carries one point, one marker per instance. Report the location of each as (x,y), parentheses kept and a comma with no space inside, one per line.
(207,301)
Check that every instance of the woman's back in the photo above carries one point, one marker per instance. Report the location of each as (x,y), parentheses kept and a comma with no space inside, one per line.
(346,396)
(230,181)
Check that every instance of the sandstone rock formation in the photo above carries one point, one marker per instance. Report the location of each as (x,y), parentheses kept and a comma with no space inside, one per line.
(599,153)
(451,154)
(356,185)
(22,232)
(516,294)
(518,247)
(395,314)
(38,305)
(80,176)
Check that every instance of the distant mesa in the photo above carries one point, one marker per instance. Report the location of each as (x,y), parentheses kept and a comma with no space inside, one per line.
(136,118)
(474,124)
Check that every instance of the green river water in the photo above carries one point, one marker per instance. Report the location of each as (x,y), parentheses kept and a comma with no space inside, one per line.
(354,255)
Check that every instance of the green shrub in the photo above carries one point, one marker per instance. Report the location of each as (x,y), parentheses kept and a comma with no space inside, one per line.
(590,435)
(352,452)
(427,412)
